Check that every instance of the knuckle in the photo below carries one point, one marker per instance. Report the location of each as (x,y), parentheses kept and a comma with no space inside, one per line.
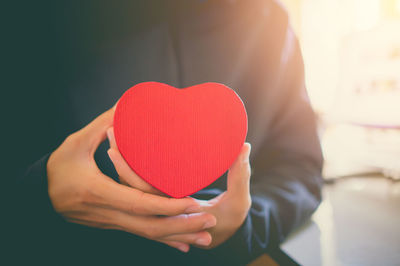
(71,139)
(165,207)
(137,207)
(152,232)
(73,142)
(85,194)
(186,221)
(82,196)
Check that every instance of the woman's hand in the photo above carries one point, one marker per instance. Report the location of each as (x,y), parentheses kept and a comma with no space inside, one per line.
(130,178)
(82,194)
(230,208)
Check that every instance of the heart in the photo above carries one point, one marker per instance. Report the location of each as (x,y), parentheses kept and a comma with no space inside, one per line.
(180,140)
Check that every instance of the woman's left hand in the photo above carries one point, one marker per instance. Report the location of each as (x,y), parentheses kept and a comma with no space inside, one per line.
(230,208)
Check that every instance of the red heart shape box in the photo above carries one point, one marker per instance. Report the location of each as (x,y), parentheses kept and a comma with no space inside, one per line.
(180,140)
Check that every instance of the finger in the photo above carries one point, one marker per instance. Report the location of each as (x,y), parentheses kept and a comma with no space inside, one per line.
(202,238)
(160,227)
(178,245)
(95,132)
(152,227)
(128,175)
(113,145)
(111,138)
(134,201)
(182,224)
(239,173)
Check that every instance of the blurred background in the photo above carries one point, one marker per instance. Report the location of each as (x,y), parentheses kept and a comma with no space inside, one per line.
(351,51)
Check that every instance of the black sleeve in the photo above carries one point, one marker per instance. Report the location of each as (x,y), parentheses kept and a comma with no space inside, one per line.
(286,171)
(32,190)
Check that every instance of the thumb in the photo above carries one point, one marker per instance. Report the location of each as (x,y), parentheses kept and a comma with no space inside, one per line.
(239,173)
(96,131)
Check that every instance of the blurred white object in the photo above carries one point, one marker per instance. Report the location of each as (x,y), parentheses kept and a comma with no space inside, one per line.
(369,92)
(353,149)
(363,134)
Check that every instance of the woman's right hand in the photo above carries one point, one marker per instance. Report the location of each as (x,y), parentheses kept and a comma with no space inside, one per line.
(82,194)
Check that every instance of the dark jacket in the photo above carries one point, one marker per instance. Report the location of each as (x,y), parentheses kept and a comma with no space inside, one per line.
(80,56)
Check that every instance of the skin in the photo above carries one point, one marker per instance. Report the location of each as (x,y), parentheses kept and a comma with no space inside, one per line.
(82,194)
(230,208)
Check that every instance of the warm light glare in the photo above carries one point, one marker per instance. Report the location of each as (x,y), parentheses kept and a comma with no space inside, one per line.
(351,52)
(366,14)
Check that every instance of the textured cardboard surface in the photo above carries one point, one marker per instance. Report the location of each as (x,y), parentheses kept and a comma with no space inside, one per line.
(180,140)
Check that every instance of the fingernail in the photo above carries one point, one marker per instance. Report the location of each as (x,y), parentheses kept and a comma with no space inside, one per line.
(202,242)
(184,248)
(247,154)
(194,208)
(209,224)
(109,134)
(110,155)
